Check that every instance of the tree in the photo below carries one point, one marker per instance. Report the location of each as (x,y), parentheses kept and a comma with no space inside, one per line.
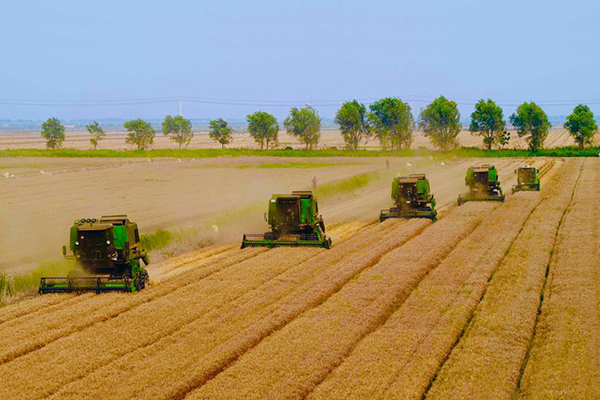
(531,121)
(440,121)
(220,131)
(178,129)
(488,121)
(392,122)
(141,133)
(97,133)
(305,125)
(582,125)
(263,127)
(352,120)
(54,133)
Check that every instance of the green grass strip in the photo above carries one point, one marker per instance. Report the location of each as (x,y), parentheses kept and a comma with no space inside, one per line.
(568,151)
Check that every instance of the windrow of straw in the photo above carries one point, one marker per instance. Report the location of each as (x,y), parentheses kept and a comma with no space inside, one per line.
(77,354)
(212,342)
(36,330)
(26,307)
(565,358)
(293,360)
(400,359)
(408,348)
(487,361)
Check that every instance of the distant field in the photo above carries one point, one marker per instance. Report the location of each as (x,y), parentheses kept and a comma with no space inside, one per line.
(329,138)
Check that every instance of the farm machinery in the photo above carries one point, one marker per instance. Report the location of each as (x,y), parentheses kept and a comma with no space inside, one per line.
(107,256)
(528,178)
(412,198)
(294,220)
(483,183)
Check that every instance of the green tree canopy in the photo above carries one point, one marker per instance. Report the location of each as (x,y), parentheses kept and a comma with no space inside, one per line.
(141,133)
(305,125)
(582,125)
(97,133)
(178,129)
(488,121)
(263,127)
(352,120)
(532,122)
(220,131)
(392,122)
(440,121)
(54,133)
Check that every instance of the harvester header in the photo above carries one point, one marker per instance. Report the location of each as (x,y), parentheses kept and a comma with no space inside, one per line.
(294,220)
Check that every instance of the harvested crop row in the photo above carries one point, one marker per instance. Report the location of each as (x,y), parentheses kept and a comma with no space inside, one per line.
(406,352)
(36,330)
(565,358)
(29,306)
(74,356)
(495,343)
(414,340)
(179,264)
(292,361)
(210,343)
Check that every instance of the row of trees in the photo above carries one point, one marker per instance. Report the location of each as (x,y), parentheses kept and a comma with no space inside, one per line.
(388,120)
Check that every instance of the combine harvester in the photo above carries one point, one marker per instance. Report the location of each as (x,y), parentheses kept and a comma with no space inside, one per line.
(294,220)
(483,183)
(107,254)
(528,178)
(412,198)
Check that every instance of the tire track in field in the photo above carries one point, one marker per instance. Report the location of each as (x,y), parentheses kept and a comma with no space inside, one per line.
(565,361)
(26,336)
(493,344)
(72,356)
(294,359)
(408,348)
(29,306)
(550,265)
(230,318)
(382,357)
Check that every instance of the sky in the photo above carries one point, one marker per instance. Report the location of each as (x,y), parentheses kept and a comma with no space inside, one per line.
(270,55)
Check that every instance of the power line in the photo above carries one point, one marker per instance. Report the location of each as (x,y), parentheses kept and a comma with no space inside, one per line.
(263,103)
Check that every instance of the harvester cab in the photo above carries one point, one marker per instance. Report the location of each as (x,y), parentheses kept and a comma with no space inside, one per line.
(412,199)
(483,183)
(107,256)
(528,178)
(294,220)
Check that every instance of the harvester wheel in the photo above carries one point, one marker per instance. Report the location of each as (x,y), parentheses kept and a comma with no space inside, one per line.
(142,281)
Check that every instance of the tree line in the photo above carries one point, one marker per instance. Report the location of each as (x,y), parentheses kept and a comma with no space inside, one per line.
(388,120)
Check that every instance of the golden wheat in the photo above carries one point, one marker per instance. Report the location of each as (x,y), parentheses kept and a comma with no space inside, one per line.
(565,357)
(494,346)
(227,328)
(293,360)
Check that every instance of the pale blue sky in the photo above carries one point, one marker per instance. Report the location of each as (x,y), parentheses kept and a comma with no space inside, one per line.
(303,50)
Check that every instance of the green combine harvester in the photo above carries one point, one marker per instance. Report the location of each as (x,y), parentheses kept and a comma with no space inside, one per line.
(528,178)
(483,183)
(294,220)
(412,198)
(107,254)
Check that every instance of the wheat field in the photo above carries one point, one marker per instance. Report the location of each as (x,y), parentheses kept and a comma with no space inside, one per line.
(494,300)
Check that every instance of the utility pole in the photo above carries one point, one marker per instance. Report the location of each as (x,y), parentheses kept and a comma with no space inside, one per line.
(180,107)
